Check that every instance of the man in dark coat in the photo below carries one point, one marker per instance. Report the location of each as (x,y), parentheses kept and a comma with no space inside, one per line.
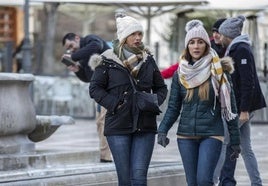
(80,50)
(248,95)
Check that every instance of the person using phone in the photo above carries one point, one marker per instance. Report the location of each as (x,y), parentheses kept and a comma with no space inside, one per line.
(79,50)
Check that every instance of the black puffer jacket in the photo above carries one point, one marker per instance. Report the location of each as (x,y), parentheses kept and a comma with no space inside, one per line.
(89,45)
(110,85)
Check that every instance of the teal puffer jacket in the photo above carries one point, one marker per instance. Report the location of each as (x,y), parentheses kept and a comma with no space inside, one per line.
(197,117)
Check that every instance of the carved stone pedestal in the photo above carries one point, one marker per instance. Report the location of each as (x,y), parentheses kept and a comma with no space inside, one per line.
(17,113)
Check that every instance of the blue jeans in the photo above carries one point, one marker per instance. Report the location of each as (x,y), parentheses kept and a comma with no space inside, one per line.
(132,155)
(228,170)
(199,158)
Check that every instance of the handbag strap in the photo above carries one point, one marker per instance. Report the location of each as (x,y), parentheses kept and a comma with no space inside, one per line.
(132,82)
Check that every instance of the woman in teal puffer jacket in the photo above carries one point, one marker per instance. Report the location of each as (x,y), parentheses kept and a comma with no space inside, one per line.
(202,95)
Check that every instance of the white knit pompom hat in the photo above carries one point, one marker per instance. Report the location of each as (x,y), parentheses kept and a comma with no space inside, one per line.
(126,25)
(195,29)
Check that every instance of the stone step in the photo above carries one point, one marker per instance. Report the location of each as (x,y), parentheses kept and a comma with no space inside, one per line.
(160,173)
(47,159)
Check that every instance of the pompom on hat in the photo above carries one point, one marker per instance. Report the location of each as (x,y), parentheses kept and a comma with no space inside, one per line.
(126,25)
(232,27)
(195,29)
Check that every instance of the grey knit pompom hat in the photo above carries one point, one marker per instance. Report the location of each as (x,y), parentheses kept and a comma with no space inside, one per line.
(232,27)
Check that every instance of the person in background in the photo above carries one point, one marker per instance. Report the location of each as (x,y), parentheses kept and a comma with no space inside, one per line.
(215,44)
(169,72)
(248,96)
(80,49)
(130,132)
(202,94)
(215,41)
(17,55)
(220,49)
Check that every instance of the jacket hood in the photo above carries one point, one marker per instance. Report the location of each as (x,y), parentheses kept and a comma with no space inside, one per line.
(97,59)
(227,64)
(239,39)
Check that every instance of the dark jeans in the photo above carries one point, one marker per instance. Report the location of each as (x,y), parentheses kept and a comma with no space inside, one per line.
(132,155)
(228,170)
(199,158)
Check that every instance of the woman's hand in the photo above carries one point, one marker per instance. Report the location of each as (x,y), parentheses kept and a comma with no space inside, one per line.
(162,139)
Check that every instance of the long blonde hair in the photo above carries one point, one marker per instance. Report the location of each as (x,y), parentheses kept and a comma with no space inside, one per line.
(203,92)
(120,48)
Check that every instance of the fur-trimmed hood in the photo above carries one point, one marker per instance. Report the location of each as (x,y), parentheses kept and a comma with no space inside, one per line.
(227,64)
(96,59)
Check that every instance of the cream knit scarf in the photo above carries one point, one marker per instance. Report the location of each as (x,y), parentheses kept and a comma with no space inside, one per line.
(192,76)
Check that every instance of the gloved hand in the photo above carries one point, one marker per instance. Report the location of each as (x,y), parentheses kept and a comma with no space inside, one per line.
(162,139)
(236,151)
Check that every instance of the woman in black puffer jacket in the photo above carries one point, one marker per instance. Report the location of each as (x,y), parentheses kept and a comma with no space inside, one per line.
(130,132)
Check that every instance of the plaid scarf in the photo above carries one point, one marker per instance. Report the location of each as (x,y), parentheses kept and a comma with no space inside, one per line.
(131,57)
(192,76)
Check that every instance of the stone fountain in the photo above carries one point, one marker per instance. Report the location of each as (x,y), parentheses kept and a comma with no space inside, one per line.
(22,165)
(20,127)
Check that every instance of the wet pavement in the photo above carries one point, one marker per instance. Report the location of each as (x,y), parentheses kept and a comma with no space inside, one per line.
(82,136)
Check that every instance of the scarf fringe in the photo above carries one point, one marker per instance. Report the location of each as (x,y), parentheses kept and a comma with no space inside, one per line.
(228,115)
(222,88)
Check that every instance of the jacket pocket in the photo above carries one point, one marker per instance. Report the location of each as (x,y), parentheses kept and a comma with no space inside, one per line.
(121,118)
(147,121)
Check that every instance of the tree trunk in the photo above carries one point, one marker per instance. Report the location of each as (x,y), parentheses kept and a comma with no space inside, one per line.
(48,59)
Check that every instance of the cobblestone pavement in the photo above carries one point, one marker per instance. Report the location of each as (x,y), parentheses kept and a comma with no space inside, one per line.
(83,136)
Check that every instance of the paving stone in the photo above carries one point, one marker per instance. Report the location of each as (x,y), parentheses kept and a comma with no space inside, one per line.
(76,141)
